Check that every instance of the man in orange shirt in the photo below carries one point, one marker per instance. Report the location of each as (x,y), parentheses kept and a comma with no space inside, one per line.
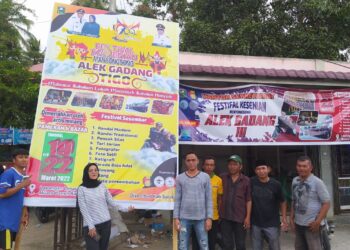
(216,187)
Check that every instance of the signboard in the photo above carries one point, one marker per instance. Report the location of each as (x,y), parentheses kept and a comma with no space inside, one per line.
(6,136)
(264,115)
(22,136)
(108,95)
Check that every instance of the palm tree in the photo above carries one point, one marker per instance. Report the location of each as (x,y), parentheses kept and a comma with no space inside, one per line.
(12,17)
(33,53)
(14,26)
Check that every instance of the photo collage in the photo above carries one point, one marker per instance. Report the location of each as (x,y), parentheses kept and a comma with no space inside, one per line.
(108,102)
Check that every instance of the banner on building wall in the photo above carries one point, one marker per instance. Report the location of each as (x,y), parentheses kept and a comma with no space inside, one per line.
(264,115)
(108,95)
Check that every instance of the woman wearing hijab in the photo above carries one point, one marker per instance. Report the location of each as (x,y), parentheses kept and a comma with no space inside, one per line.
(93,200)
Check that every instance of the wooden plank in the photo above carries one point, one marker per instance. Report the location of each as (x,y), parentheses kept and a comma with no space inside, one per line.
(175,237)
(20,231)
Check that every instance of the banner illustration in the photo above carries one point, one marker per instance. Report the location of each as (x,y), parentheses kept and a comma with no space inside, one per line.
(108,95)
(264,115)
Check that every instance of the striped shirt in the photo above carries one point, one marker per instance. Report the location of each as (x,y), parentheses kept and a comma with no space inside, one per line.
(93,205)
(193,198)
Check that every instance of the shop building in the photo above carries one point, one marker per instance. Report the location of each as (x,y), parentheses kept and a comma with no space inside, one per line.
(331,161)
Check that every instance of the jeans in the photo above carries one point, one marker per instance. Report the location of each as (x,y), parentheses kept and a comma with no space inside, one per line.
(231,227)
(104,230)
(271,234)
(212,236)
(185,233)
(307,240)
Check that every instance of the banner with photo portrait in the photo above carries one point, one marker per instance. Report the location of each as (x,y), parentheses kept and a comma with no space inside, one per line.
(108,95)
(264,115)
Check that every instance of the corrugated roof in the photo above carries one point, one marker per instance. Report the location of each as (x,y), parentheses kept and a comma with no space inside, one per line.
(252,72)
(261,72)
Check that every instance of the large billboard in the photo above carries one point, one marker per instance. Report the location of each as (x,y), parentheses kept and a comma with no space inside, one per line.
(108,95)
(264,115)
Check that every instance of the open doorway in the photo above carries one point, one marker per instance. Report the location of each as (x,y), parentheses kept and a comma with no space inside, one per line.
(282,159)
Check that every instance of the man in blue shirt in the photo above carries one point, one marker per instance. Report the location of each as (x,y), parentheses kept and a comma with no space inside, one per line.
(12,187)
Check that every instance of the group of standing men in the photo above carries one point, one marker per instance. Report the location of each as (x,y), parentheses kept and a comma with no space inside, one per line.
(203,199)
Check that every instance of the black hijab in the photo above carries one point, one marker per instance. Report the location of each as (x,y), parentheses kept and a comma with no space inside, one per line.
(87,182)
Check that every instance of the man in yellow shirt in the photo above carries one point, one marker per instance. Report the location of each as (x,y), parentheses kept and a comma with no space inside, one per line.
(217,190)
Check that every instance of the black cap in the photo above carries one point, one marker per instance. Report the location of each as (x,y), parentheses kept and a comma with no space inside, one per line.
(260,163)
(81,11)
(160,26)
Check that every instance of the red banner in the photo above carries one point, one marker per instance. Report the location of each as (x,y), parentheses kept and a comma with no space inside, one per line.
(260,114)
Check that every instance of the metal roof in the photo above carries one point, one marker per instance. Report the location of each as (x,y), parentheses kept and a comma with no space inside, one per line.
(261,72)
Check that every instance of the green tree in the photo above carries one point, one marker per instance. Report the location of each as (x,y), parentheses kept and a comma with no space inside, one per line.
(161,9)
(14,26)
(33,54)
(282,28)
(18,95)
(18,86)
(97,4)
(313,28)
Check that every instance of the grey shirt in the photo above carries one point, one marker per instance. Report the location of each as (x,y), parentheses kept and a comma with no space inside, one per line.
(193,199)
(308,197)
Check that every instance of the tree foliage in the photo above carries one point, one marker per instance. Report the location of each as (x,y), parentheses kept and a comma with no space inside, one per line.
(97,4)
(18,50)
(281,28)
(18,95)
(33,54)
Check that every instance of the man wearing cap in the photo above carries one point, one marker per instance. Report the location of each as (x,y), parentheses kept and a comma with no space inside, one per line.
(236,205)
(12,187)
(267,201)
(161,39)
(76,22)
(193,204)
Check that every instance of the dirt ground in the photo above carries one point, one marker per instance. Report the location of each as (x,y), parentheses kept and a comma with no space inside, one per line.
(40,236)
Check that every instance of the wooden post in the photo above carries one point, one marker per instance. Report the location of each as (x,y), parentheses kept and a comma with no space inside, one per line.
(174,236)
(20,230)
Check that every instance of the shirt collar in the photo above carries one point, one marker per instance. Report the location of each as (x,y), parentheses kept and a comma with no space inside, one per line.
(17,171)
(239,178)
(307,179)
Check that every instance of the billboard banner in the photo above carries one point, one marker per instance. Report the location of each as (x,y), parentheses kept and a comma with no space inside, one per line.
(108,95)
(264,115)
(22,136)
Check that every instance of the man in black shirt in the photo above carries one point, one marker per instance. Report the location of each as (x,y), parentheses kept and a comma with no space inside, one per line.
(267,200)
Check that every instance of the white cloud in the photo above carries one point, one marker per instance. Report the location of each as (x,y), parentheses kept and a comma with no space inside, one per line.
(163,84)
(150,158)
(52,67)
